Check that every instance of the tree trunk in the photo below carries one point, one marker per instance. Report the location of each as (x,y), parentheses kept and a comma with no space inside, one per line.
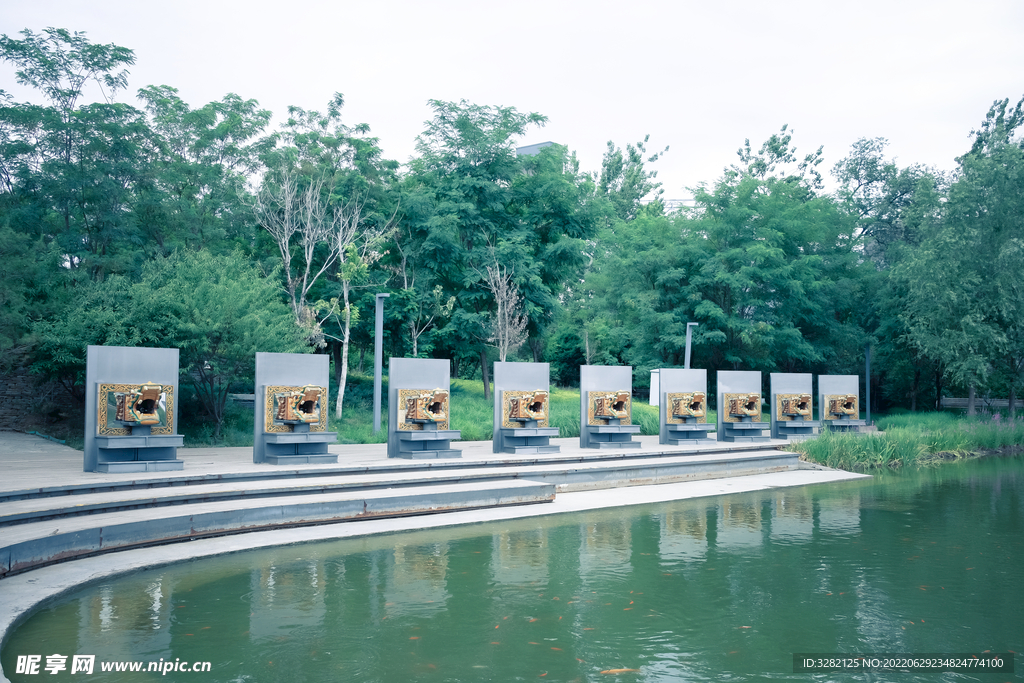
(415,338)
(536,348)
(483,373)
(362,356)
(344,353)
(970,399)
(336,357)
(1013,402)
(938,390)
(913,392)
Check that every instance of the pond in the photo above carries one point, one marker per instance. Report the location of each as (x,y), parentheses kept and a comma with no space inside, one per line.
(727,588)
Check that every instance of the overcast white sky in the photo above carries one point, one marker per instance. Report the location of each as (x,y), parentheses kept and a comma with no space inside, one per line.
(698,77)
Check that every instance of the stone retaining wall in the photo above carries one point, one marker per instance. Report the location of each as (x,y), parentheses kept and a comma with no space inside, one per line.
(20,388)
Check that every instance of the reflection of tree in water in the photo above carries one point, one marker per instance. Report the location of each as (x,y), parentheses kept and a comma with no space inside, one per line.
(795,503)
(683,534)
(416,578)
(741,514)
(520,557)
(607,546)
(287,597)
(143,613)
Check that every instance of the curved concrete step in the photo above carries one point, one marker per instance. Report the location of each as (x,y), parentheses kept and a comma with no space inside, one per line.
(393,465)
(34,544)
(587,475)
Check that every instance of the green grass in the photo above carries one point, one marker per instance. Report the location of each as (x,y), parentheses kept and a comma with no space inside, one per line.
(914,439)
(471,413)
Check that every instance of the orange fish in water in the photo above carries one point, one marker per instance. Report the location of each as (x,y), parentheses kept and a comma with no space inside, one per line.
(620,671)
(533,643)
(414,637)
(533,620)
(497,626)
(557,648)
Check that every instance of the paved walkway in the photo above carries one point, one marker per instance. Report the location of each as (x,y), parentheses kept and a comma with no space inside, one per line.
(31,462)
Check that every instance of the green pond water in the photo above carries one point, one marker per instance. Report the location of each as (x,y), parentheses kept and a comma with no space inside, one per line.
(713,589)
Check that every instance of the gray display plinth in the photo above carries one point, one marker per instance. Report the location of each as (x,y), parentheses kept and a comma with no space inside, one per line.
(113,375)
(521,435)
(834,386)
(419,440)
(290,443)
(792,407)
(606,433)
(676,385)
(739,428)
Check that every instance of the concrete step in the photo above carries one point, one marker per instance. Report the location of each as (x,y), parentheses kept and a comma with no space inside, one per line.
(578,474)
(394,466)
(34,544)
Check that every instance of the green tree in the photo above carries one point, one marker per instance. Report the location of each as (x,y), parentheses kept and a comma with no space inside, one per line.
(217,310)
(964,303)
(76,171)
(206,155)
(471,202)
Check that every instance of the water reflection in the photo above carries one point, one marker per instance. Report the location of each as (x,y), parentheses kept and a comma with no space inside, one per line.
(703,589)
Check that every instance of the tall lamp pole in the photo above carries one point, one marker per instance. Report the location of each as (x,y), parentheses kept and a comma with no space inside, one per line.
(689,330)
(378,360)
(867,379)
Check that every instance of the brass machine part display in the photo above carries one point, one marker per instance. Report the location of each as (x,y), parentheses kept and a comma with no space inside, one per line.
(686,404)
(120,407)
(790,406)
(841,407)
(429,405)
(287,406)
(738,406)
(606,405)
(524,405)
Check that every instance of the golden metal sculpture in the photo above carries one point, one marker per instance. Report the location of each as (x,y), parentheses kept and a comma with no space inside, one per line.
(791,406)
(524,405)
(122,406)
(417,407)
(298,407)
(609,405)
(287,406)
(739,406)
(691,404)
(842,407)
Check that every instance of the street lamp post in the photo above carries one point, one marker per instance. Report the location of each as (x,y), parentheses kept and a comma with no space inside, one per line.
(378,360)
(689,330)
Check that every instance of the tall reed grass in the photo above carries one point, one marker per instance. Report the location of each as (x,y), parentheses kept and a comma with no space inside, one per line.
(914,439)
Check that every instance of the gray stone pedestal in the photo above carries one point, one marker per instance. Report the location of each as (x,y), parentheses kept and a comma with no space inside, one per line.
(739,429)
(786,387)
(839,385)
(605,433)
(515,435)
(684,430)
(419,440)
(291,444)
(112,446)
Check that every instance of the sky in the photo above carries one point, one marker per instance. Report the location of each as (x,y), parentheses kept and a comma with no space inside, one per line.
(698,77)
